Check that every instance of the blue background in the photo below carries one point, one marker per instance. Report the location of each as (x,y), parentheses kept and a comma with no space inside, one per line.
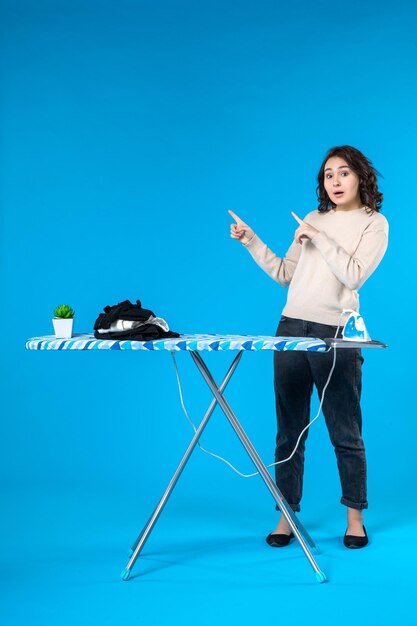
(127,131)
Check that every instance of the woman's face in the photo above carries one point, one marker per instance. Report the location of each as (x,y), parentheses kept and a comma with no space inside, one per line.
(341,184)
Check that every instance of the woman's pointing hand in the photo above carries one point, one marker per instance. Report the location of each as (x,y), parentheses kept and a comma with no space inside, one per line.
(304,231)
(240,230)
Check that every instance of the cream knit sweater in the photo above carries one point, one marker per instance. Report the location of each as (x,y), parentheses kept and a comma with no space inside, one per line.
(324,273)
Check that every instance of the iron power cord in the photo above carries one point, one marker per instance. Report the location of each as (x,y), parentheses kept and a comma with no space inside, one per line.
(216,456)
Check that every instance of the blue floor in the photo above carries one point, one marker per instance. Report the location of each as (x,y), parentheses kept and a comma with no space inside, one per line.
(206,562)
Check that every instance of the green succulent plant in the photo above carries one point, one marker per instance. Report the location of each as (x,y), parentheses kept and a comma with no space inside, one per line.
(64,311)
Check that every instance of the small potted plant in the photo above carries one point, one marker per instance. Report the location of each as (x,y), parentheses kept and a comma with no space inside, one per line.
(63,320)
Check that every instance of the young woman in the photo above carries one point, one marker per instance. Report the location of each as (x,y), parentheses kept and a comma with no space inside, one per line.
(335,249)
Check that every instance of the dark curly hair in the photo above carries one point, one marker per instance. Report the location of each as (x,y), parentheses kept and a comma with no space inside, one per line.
(370,196)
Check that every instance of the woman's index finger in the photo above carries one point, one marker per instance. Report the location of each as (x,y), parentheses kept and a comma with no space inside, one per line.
(235,217)
(295,216)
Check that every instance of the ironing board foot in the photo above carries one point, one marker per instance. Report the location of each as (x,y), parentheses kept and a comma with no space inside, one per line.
(321,577)
(125,575)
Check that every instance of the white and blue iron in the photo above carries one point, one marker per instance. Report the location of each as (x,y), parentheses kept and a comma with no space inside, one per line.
(355,329)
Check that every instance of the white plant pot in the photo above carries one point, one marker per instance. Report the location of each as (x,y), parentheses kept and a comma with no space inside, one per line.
(63,327)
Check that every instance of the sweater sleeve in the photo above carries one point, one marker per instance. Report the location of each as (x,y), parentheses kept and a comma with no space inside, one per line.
(353,270)
(280,270)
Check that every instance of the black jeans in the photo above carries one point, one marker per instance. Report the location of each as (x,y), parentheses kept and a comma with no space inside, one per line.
(294,376)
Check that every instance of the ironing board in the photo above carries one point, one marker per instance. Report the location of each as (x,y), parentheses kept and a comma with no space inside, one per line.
(195,344)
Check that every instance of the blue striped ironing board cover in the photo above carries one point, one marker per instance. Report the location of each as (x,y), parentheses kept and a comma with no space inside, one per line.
(198,342)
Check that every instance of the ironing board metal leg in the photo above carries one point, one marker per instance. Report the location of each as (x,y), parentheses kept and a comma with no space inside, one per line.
(278,497)
(295,519)
(143,536)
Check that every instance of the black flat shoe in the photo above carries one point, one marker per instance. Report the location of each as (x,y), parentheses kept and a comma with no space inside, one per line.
(351,541)
(279,540)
